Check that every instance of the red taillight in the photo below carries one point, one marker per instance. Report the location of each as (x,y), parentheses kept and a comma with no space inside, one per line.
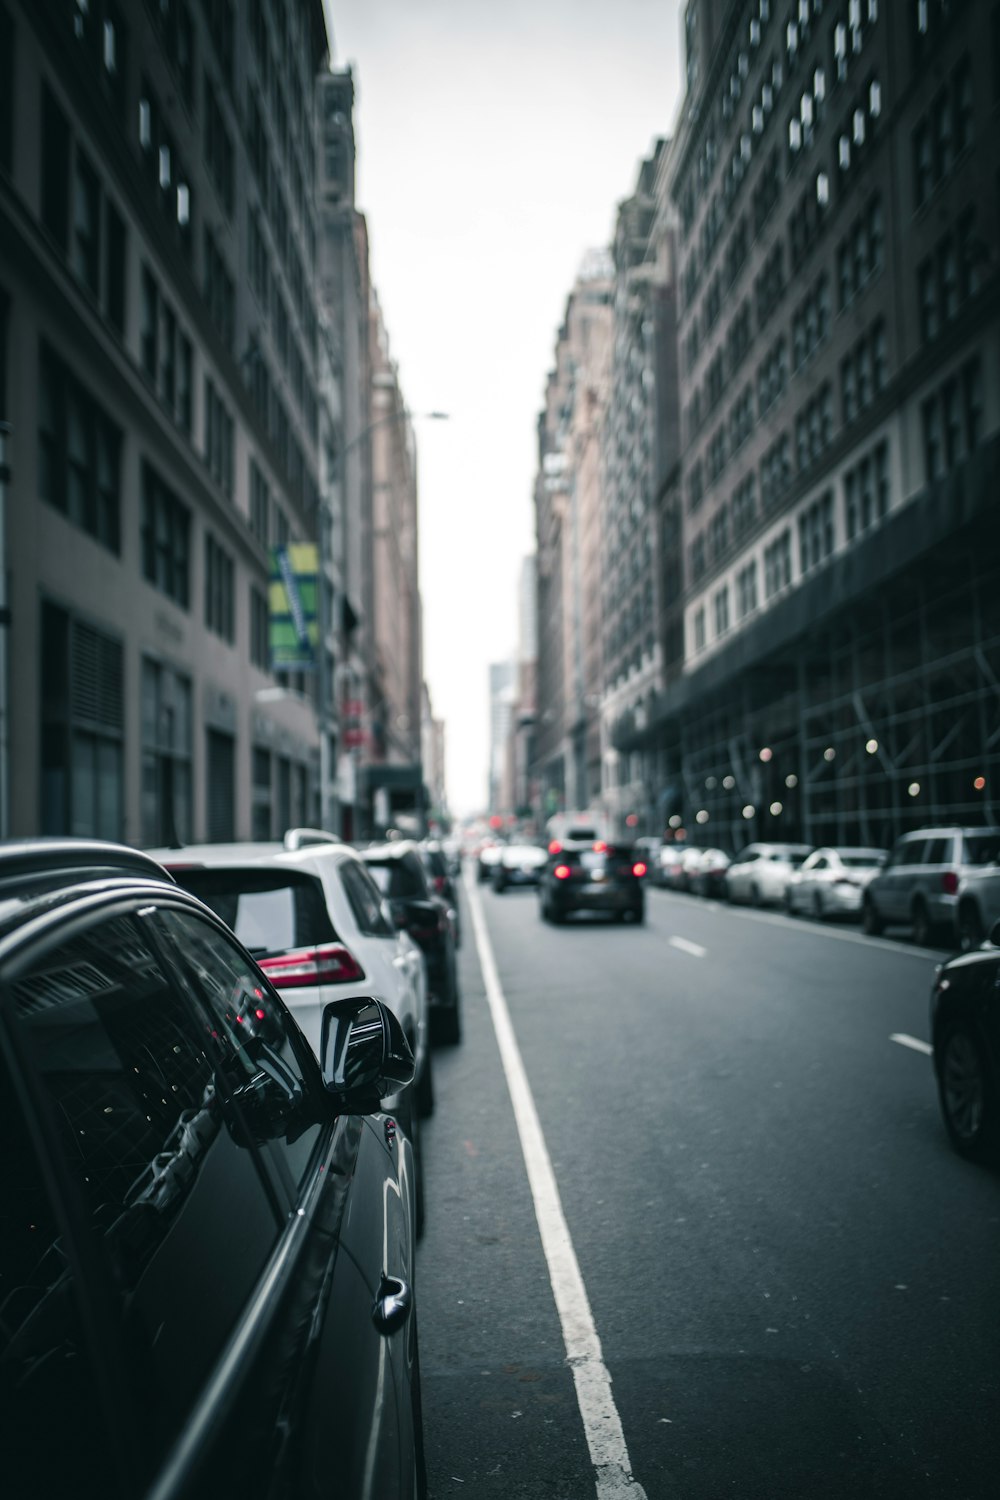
(561,872)
(555,847)
(600,847)
(949,883)
(305,967)
(439,883)
(639,868)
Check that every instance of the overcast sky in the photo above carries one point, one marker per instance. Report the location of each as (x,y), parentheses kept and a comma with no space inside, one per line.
(494,143)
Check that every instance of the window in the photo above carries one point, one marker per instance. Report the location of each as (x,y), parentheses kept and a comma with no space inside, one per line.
(85,256)
(260,647)
(7,64)
(720,606)
(79,453)
(115,267)
(261,795)
(816,532)
(150,325)
(82,696)
(167,816)
(219,607)
(219,154)
(42,1315)
(778,564)
(55,169)
(166,533)
(746,590)
(170,1190)
(185,377)
(219,439)
(221,786)
(699,628)
(259,503)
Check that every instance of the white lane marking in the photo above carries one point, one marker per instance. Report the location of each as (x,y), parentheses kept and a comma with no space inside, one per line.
(912,1041)
(601,1422)
(693,948)
(781,919)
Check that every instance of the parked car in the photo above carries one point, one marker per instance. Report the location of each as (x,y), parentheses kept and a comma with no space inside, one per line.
(443,880)
(580,875)
(206,1233)
(708,877)
(519,864)
(965,1032)
(671,871)
(941,883)
(832,882)
(760,872)
(401,877)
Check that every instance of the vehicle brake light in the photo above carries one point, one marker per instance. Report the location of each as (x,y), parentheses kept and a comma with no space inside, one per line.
(601,847)
(555,847)
(439,883)
(561,872)
(639,868)
(949,883)
(330,964)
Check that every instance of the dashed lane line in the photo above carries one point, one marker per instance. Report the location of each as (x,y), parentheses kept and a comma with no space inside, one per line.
(695,949)
(912,1041)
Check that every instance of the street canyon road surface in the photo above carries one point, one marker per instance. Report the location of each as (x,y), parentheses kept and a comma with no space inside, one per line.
(693,1226)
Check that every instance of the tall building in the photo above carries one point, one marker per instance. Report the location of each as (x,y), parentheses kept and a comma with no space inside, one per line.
(158,372)
(639,451)
(568,529)
(503,696)
(835,180)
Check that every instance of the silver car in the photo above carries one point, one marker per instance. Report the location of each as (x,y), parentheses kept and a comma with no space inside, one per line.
(941,883)
(832,882)
(760,873)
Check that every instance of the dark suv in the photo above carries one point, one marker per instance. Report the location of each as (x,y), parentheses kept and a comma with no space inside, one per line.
(402,877)
(592,875)
(206,1233)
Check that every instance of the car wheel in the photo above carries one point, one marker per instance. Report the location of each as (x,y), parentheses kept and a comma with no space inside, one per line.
(639,915)
(818,907)
(871,922)
(499,886)
(755,895)
(970,928)
(968,1098)
(923,928)
(789,904)
(424,1088)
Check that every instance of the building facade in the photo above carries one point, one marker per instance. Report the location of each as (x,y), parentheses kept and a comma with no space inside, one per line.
(157,258)
(835,183)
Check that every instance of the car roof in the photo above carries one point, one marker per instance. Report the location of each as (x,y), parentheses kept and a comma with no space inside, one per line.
(212,856)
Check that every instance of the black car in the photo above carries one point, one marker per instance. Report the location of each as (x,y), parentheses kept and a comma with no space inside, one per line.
(443,880)
(206,1234)
(584,875)
(400,873)
(965,1031)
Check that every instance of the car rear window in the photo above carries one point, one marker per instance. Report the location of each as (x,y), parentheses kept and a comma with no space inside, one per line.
(270,911)
(982,848)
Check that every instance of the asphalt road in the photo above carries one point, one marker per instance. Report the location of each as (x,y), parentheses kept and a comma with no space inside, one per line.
(794,1282)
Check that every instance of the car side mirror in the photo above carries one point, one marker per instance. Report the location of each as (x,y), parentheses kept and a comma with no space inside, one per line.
(364,1054)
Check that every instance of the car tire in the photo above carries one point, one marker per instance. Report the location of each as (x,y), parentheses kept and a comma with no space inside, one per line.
(755,900)
(499,886)
(789,905)
(424,1088)
(971,932)
(819,910)
(871,922)
(639,916)
(922,930)
(967,1097)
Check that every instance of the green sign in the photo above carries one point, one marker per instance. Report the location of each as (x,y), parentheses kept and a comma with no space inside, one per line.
(293,604)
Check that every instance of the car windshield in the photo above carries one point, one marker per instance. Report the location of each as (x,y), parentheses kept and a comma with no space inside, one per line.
(863,859)
(270,911)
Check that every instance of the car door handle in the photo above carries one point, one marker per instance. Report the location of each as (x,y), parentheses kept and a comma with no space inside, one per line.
(393,1304)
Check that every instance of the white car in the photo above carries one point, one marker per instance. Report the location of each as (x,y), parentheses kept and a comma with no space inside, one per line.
(518,864)
(832,882)
(760,873)
(313,918)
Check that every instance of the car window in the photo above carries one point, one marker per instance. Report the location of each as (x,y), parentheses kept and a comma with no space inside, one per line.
(365,900)
(268,1065)
(269,910)
(863,861)
(45,1362)
(937,852)
(746,857)
(910,853)
(144,1112)
(817,862)
(982,848)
